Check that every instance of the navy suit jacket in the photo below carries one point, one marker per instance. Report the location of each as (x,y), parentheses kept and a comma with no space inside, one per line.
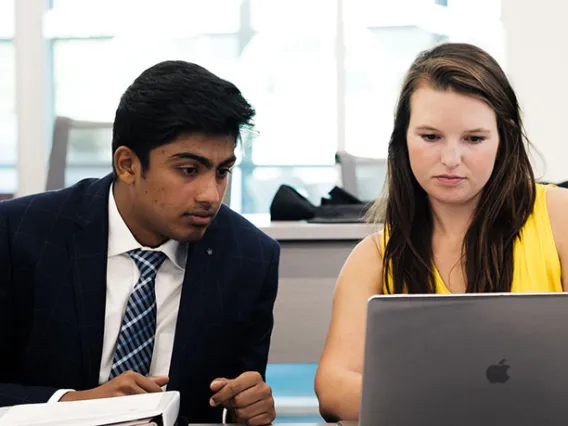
(53,257)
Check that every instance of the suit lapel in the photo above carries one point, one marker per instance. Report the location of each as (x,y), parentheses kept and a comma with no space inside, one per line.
(201,272)
(88,247)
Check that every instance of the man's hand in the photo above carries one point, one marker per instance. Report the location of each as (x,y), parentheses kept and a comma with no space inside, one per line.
(248,399)
(128,383)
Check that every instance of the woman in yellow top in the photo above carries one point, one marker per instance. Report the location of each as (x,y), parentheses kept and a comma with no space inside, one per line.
(463,211)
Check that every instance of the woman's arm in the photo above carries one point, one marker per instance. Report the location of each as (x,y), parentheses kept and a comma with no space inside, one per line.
(557,202)
(339,375)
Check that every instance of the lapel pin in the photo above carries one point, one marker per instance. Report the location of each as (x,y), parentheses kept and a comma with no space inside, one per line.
(209,251)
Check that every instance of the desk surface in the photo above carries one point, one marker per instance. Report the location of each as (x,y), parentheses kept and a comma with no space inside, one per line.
(302,230)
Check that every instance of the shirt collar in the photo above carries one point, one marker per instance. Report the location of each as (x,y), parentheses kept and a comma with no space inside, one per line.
(121,240)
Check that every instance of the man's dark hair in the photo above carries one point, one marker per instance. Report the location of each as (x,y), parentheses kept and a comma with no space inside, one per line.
(174,98)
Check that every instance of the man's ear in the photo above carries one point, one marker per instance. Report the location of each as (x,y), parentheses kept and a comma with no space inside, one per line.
(126,165)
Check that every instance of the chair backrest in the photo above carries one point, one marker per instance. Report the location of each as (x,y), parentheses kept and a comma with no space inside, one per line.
(82,149)
(79,149)
(361,176)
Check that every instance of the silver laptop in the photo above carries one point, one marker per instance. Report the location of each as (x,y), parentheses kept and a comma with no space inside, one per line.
(491,359)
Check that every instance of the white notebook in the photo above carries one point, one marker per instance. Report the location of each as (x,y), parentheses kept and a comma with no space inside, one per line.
(131,410)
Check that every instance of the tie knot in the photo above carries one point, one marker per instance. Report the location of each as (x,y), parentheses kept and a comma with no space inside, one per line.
(147,260)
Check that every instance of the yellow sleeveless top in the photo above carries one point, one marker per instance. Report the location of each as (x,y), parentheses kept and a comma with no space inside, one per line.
(537,266)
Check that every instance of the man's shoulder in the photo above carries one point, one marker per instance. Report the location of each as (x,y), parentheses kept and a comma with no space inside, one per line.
(41,207)
(237,227)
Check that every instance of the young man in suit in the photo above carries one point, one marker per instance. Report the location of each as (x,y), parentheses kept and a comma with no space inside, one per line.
(142,279)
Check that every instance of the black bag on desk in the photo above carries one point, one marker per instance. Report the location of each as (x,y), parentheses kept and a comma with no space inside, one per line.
(289,204)
(341,207)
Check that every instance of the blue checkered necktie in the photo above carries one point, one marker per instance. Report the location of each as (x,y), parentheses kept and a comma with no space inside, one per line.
(135,342)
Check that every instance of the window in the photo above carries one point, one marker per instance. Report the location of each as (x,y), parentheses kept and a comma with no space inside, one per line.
(8,123)
(382,38)
(95,58)
(288,76)
(318,83)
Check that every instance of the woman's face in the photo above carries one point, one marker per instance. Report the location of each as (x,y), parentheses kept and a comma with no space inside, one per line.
(452,144)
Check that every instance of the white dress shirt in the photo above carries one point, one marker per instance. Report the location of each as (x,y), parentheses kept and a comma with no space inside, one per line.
(122,275)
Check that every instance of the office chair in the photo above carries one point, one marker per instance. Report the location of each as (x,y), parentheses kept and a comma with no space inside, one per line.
(79,142)
(362,177)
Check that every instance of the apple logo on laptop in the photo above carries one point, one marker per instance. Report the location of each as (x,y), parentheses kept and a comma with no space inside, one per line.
(497,373)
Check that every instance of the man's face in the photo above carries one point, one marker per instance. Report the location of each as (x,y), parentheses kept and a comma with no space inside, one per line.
(181,191)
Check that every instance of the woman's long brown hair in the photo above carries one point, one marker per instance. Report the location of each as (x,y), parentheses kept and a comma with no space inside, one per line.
(506,200)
